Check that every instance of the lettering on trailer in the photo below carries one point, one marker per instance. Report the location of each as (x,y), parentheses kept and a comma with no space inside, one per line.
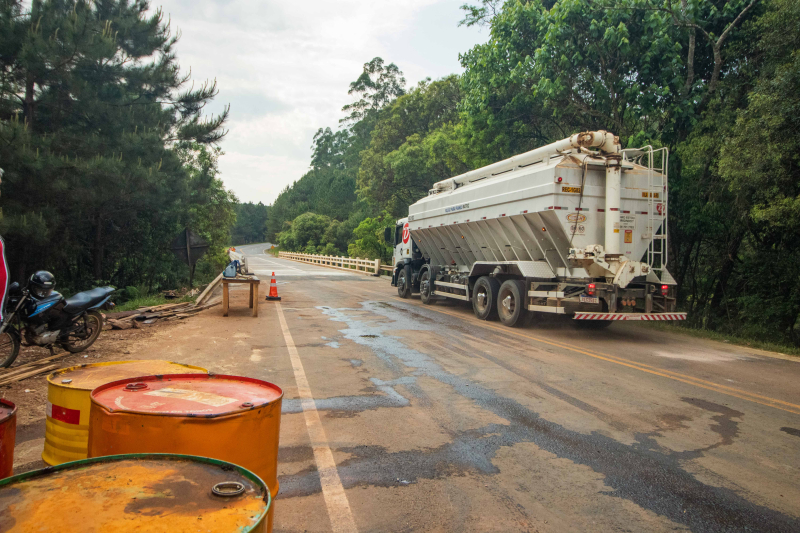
(577,224)
(652,195)
(627,222)
(576,190)
(628,236)
(456,208)
(406,233)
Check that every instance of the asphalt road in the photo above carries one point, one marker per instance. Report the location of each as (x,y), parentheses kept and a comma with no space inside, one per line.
(440,422)
(405,417)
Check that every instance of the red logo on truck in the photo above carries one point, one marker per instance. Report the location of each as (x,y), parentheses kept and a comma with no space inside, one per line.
(406,233)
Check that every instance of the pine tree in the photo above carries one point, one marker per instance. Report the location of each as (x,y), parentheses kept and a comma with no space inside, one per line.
(92,109)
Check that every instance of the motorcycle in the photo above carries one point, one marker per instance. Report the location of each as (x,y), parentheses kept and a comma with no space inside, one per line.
(43,317)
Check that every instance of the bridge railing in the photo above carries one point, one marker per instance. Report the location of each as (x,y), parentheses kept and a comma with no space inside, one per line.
(366,266)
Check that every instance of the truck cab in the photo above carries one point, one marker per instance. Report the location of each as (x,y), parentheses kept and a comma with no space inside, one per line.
(406,258)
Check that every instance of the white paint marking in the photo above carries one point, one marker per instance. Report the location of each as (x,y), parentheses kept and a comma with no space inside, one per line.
(335,498)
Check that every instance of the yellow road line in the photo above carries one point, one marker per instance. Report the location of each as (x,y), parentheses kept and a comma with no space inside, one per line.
(332,490)
(683,378)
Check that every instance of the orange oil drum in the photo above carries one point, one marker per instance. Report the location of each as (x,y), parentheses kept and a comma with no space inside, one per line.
(231,418)
(157,493)
(68,402)
(8,434)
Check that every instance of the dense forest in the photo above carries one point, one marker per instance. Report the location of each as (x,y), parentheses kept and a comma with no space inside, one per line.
(251,223)
(718,82)
(106,153)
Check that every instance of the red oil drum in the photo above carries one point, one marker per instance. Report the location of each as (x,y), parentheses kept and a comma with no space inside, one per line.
(8,434)
(230,418)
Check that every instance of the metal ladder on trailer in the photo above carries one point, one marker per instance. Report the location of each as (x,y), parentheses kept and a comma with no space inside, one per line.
(656,161)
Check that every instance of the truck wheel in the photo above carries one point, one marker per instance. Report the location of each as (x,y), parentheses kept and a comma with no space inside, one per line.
(404,282)
(484,298)
(425,287)
(511,306)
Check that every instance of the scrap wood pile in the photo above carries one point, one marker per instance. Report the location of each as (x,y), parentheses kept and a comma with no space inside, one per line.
(149,315)
(28,370)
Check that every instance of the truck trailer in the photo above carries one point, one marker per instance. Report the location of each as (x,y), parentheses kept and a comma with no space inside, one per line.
(575,228)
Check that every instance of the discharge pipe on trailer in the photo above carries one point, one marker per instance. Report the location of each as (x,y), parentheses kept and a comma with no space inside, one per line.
(613,201)
(605,141)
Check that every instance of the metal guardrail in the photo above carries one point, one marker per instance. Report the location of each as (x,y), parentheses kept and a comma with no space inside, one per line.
(353,264)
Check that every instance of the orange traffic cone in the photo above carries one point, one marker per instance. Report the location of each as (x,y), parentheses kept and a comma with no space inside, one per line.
(273,290)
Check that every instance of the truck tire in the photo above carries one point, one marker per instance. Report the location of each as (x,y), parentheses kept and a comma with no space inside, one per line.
(484,298)
(426,287)
(511,306)
(404,282)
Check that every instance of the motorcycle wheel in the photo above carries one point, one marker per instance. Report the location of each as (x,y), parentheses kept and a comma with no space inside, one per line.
(92,325)
(9,348)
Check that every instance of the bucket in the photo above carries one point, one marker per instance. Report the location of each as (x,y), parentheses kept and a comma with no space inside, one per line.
(8,434)
(138,492)
(231,418)
(68,402)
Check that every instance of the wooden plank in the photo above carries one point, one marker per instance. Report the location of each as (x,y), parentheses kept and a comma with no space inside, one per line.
(225,299)
(254,288)
(27,375)
(207,291)
(33,364)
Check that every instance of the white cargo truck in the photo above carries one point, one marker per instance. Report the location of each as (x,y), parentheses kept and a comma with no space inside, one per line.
(577,227)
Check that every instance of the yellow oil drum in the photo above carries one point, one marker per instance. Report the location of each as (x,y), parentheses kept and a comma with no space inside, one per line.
(231,418)
(8,434)
(68,402)
(144,493)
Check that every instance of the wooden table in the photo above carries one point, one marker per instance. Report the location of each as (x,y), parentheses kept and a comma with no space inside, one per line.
(253,281)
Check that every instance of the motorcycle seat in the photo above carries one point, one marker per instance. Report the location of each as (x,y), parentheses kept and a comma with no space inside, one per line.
(82,301)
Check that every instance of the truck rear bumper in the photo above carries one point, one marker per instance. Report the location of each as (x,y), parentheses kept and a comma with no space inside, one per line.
(629,316)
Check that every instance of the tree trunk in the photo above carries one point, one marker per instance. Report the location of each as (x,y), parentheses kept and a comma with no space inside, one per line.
(28,108)
(726,270)
(99,249)
(690,54)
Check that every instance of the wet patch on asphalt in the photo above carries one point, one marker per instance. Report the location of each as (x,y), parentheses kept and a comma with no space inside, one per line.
(791,431)
(295,454)
(725,426)
(356,404)
(643,472)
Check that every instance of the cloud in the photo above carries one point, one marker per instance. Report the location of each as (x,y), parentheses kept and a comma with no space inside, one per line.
(285,68)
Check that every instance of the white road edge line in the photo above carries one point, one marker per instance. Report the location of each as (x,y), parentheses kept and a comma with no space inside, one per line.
(335,498)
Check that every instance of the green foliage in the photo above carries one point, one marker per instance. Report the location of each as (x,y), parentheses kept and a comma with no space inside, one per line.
(378,85)
(369,243)
(251,223)
(131,293)
(149,301)
(103,142)
(412,146)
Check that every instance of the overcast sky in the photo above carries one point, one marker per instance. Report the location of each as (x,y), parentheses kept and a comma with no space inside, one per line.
(285,68)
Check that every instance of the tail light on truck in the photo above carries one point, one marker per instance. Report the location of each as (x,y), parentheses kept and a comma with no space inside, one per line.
(664,290)
(592,288)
